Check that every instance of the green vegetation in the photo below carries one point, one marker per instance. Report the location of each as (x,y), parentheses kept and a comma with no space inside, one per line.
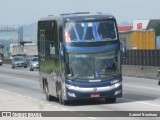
(50,66)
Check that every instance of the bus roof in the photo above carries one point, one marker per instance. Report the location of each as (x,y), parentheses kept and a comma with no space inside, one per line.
(79,16)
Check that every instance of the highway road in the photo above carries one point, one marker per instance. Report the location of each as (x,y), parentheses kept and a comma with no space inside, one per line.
(139,94)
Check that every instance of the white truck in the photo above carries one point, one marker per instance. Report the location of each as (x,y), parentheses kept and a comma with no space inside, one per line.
(28,49)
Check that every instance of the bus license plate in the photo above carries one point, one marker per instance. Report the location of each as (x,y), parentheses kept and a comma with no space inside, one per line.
(95,95)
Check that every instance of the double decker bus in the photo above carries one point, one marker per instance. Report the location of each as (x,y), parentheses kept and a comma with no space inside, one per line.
(79,57)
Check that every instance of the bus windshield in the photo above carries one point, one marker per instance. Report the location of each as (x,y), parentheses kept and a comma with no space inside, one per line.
(83,31)
(93,66)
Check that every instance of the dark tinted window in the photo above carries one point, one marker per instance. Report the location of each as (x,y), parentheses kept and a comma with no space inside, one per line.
(90,31)
(16,58)
(35,59)
(47,38)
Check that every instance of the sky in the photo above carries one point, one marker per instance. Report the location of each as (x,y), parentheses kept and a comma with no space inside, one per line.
(20,12)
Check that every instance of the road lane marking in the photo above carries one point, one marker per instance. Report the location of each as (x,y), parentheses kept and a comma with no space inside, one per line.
(35,99)
(71,110)
(48,104)
(41,102)
(20,79)
(65,109)
(141,87)
(146,103)
(93,118)
(17,94)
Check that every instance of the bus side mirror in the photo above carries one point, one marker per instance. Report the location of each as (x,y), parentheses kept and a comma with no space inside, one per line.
(124,51)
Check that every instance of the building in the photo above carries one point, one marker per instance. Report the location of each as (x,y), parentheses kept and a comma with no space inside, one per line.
(125,35)
(145,24)
(122,29)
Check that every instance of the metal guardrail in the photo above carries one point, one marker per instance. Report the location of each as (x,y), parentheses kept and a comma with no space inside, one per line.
(143,57)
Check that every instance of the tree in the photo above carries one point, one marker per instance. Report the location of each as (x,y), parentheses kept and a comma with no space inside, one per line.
(157,29)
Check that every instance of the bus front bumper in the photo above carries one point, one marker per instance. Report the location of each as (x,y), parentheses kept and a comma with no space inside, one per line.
(80,93)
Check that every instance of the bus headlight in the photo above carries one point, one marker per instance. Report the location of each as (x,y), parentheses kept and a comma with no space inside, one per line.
(117,92)
(115,81)
(71,87)
(71,94)
(117,84)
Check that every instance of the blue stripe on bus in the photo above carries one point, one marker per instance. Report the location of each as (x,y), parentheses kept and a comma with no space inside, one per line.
(92,49)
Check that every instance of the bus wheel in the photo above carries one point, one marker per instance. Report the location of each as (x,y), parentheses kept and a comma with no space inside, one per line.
(158,78)
(110,100)
(48,97)
(61,100)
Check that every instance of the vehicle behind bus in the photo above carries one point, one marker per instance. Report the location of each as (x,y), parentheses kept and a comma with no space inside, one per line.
(79,57)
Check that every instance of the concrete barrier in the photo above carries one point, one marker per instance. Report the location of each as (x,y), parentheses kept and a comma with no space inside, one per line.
(140,71)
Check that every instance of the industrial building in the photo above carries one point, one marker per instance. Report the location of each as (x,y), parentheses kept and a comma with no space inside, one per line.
(140,36)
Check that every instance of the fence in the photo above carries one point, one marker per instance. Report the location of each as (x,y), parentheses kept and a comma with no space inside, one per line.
(143,57)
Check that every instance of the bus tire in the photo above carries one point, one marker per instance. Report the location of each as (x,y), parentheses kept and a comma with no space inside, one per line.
(110,100)
(48,96)
(61,100)
(158,78)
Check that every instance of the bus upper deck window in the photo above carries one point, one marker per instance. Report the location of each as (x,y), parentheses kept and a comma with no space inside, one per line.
(91,31)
